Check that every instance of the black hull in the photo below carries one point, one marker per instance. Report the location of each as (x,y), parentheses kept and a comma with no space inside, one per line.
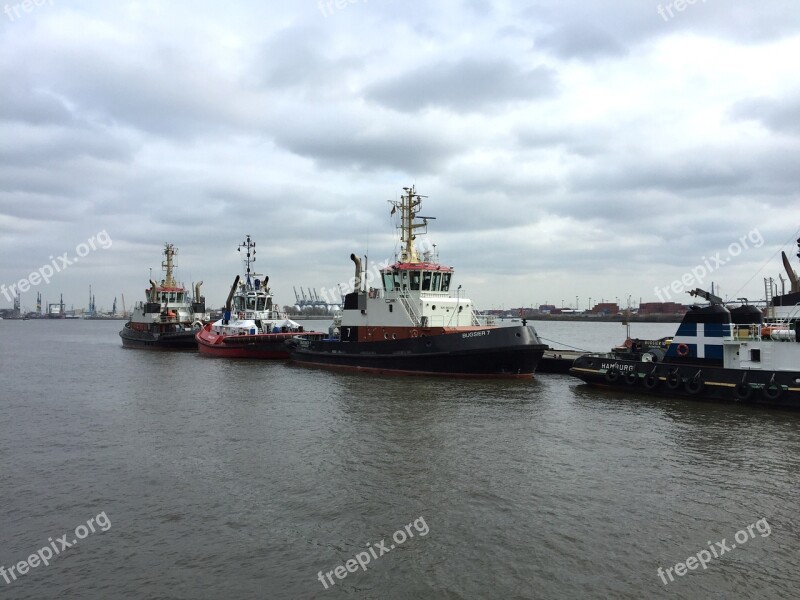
(181,340)
(697,382)
(507,352)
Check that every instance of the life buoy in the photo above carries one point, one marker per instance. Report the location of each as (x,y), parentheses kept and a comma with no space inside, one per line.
(631,378)
(612,375)
(240,315)
(683,350)
(414,333)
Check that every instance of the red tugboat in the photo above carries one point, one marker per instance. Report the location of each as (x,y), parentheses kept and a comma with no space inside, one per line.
(252,326)
(168,319)
(414,324)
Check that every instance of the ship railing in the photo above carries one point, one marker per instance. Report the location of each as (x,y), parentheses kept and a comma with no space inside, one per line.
(476,322)
(779,330)
(487,320)
(409,308)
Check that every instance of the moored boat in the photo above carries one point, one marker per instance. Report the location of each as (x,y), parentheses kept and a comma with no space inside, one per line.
(416,322)
(716,354)
(168,319)
(252,325)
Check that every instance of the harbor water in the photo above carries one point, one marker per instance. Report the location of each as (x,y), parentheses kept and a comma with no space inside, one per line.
(173,475)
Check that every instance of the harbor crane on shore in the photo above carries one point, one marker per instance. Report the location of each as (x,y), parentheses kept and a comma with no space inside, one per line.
(312,300)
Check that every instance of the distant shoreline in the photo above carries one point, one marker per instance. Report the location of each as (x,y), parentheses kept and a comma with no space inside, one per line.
(586,318)
(670,318)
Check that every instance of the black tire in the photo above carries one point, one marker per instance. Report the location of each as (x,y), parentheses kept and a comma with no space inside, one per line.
(773,391)
(631,378)
(695,386)
(743,391)
(651,381)
(612,375)
(673,381)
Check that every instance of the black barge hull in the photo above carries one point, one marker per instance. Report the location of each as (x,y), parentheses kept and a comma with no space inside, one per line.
(144,340)
(506,352)
(697,382)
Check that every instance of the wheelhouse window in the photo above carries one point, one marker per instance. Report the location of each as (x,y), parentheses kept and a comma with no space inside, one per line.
(426,280)
(437,282)
(446,281)
(415,279)
(388,282)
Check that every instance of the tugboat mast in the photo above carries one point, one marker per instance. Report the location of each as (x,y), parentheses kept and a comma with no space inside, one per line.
(408,205)
(250,257)
(168,265)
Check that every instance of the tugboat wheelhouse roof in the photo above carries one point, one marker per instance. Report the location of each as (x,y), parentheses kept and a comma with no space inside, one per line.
(419,266)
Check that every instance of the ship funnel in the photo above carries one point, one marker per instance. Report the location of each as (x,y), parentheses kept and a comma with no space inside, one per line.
(357,262)
(226,317)
(230,295)
(153,288)
(197,291)
(790,272)
(266,281)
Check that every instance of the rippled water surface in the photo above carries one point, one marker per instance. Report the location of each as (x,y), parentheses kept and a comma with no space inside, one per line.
(240,479)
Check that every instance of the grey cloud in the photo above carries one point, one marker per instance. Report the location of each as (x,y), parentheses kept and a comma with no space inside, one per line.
(780,115)
(394,149)
(468,84)
(581,41)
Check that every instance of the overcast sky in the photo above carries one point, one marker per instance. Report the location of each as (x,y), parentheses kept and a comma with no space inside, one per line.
(568,148)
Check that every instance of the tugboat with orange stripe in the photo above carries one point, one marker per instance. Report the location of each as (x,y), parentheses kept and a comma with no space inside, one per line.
(169,318)
(717,354)
(413,323)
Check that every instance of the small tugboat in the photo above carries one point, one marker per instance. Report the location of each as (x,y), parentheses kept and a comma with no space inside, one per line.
(252,326)
(168,319)
(415,324)
(717,354)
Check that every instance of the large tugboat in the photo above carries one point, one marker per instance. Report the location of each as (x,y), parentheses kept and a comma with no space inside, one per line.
(717,354)
(252,326)
(168,319)
(414,323)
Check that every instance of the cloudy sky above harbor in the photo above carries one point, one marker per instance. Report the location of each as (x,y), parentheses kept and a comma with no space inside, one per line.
(568,148)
